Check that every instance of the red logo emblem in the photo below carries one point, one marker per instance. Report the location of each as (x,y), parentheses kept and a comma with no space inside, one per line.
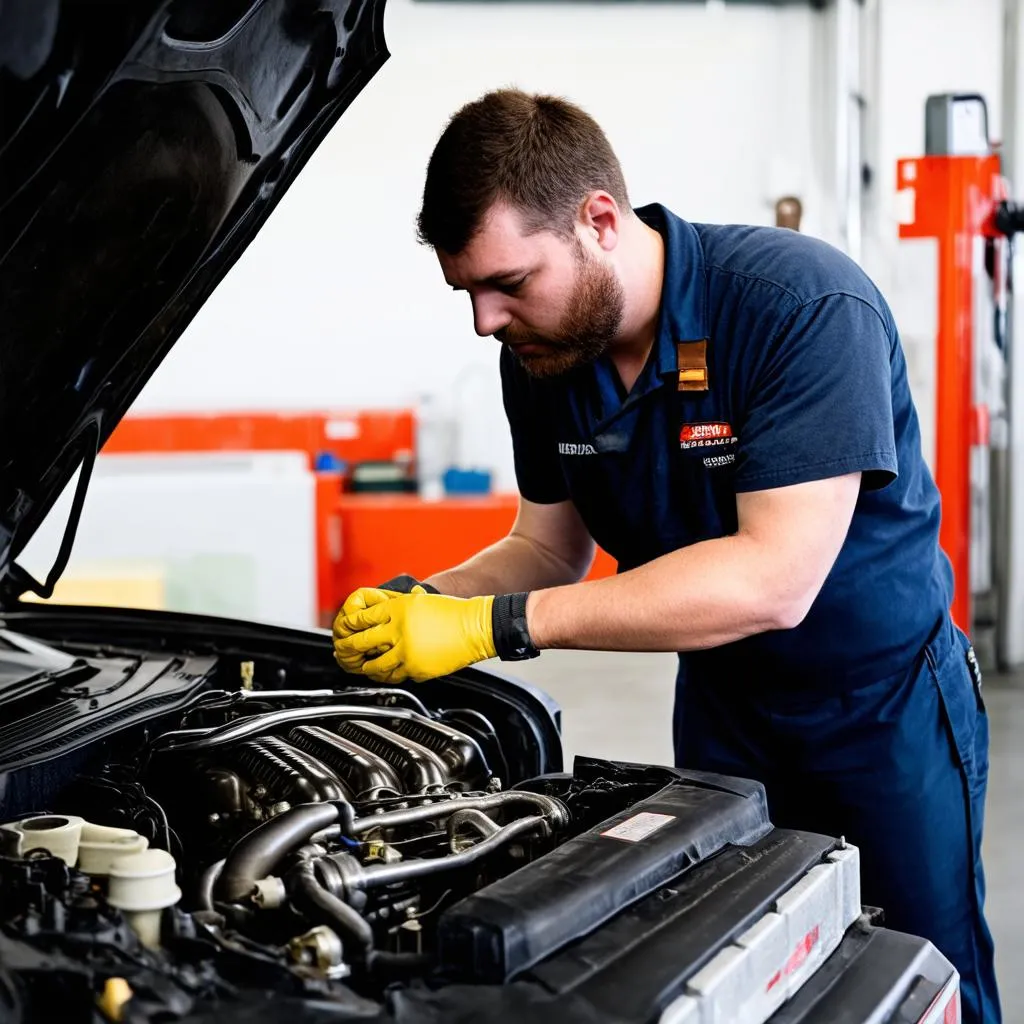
(717,436)
(705,432)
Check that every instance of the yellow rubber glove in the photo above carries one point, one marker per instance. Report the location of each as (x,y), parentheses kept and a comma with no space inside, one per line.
(359,600)
(418,636)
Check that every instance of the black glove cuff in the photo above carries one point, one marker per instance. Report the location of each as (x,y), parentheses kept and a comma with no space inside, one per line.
(403,585)
(508,623)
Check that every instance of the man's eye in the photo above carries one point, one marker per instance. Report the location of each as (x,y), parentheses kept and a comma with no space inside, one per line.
(514,287)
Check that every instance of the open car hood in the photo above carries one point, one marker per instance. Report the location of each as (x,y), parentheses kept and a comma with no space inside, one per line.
(142,146)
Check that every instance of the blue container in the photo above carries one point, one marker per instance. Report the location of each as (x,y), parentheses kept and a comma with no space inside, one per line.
(467,481)
(328,462)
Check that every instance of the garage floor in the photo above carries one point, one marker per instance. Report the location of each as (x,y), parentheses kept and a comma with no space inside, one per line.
(619,706)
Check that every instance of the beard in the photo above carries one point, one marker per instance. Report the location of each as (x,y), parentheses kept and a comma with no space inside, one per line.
(590,324)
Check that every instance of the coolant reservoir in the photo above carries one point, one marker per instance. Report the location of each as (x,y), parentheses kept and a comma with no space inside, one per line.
(142,886)
(57,834)
(101,845)
(75,841)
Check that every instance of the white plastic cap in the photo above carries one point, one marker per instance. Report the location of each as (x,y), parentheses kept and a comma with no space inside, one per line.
(101,845)
(143,881)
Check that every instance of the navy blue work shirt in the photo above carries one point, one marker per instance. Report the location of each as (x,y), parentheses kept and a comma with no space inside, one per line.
(806,380)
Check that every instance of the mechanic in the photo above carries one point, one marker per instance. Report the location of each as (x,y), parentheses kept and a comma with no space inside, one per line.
(726,411)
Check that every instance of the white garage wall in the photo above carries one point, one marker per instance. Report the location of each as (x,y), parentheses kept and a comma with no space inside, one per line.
(713,111)
(336,304)
(926,47)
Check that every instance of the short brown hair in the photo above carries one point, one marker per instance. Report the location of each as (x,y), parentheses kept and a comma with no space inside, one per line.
(540,154)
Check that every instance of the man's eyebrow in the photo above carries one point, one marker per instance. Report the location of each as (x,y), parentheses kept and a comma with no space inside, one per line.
(500,278)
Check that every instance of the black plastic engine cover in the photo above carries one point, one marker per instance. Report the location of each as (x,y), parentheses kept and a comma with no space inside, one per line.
(645,956)
(511,925)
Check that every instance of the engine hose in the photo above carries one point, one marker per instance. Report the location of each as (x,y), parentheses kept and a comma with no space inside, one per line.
(388,874)
(552,809)
(354,931)
(254,856)
(313,899)
(475,819)
(388,697)
(398,965)
(210,738)
(204,897)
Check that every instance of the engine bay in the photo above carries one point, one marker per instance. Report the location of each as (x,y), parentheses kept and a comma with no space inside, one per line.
(312,842)
(205,821)
(318,836)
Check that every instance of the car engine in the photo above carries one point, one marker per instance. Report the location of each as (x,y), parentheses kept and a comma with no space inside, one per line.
(169,842)
(320,833)
(205,822)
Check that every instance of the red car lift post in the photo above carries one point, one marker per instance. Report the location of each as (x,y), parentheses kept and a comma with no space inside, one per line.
(956,198)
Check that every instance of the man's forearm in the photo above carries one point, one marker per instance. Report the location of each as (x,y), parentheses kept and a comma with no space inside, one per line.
(766,576)
(701,596)
(513,564)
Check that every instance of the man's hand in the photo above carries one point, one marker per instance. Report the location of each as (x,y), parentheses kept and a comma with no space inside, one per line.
(415,636)
(359,600)
(365,597)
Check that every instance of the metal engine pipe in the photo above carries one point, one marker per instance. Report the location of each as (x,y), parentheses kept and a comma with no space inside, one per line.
(194,740)
(549,807)
(350,876)
(232,699)
(316,901)
(253,856)
(479,821)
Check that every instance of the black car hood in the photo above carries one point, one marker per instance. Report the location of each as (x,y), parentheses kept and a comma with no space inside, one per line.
(142,146)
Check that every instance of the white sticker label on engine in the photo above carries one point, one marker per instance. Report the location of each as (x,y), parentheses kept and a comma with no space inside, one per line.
(640,826)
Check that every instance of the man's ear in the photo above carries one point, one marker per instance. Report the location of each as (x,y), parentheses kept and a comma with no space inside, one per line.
(600,219)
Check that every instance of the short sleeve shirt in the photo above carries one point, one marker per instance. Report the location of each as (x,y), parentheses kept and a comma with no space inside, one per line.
(805,380)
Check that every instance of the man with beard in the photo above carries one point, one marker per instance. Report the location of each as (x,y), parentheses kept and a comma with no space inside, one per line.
(725,410)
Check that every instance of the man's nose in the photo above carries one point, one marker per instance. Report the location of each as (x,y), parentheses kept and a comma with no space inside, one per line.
(489,317)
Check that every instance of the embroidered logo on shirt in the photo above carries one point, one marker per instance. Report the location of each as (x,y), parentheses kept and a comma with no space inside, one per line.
(712,440)
(706,435)
(568,448)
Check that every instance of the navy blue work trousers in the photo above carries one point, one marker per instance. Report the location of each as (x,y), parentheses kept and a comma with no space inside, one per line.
(898,767)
